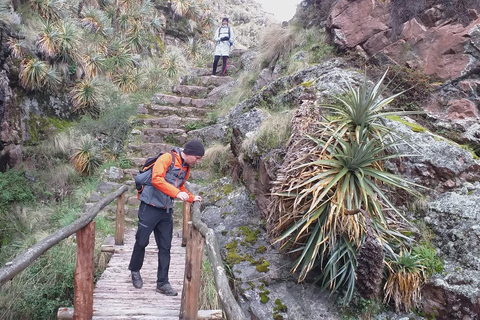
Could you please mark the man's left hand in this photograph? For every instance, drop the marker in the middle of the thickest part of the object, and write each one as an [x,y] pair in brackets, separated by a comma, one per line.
[197,198]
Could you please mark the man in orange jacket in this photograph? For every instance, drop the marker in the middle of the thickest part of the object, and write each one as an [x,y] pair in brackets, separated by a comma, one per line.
[156,210]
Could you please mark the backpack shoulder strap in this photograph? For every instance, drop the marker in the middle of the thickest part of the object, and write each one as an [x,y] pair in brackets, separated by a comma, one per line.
[173,162]
[229,31]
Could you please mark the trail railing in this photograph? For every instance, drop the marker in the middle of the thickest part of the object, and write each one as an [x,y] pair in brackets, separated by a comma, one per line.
[84,227]
[195,235]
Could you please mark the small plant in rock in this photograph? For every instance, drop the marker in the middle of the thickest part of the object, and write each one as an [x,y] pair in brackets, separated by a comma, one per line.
[406,275]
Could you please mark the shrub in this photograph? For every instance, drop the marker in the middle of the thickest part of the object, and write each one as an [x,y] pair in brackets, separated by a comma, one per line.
[341,170]
[86,156]
[14,188]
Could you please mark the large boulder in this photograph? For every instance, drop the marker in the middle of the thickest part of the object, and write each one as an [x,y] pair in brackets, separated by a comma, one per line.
[421,35]
[265,288]
[452,175]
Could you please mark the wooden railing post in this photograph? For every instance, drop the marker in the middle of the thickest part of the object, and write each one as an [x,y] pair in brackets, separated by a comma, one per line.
[120,223]
[186,218]
[193,273]
[83,281]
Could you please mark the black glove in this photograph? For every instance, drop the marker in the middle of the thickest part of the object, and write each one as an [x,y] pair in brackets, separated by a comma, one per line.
[224,38]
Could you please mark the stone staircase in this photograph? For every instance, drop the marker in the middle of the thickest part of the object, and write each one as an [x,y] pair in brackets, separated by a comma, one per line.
[168,120]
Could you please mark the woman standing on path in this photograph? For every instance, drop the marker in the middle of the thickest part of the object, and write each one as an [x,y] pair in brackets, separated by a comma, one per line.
[223,38]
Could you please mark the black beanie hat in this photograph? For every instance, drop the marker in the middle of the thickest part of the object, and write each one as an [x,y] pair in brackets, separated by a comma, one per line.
[194,148]
[225,19]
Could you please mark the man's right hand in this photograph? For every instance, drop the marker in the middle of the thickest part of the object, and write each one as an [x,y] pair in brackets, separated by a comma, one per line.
[182,196]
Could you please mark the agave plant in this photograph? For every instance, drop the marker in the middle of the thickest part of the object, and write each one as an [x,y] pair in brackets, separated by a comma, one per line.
[406,275]
[48,9]
[34,73]
[68,41]
[85,96]
[19,47]
[86,157]
[341,171]
[95,20]
[170,65]
[92,63]
[47,41]
[364,106]
[180,7]
[127,81]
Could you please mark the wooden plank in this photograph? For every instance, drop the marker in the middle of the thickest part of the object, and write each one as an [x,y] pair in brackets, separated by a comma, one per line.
[209,315]
[186,219]
[193,273]
[116,298]
[83,279]
[120,222]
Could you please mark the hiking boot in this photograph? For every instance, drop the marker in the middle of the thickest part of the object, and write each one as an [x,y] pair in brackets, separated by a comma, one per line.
[167,290]
[137,279]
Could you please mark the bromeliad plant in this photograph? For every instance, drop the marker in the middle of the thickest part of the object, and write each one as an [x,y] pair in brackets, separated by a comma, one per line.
[342,171]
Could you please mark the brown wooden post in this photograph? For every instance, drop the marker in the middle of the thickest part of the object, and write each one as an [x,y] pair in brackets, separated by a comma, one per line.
[120,224]
[186,218]
[83,279]
[193,273]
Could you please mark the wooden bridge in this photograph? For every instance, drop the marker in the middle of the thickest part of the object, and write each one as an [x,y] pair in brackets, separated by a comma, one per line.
[114,296]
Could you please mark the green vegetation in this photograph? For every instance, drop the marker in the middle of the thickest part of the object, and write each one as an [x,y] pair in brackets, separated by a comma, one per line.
[343,172]
[264,298]
[415,127]
[208,299]
[279,308]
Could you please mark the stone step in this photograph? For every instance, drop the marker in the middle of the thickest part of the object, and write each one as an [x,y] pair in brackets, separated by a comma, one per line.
[231,69]
[162,110]
[173,121]
[190,91]
[207,81]
[146,150]
[159,135]
[167,99]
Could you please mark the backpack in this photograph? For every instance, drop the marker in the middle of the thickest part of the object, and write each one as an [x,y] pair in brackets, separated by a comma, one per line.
[147,166]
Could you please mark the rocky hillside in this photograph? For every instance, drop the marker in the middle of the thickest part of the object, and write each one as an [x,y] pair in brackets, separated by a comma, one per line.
[439,38]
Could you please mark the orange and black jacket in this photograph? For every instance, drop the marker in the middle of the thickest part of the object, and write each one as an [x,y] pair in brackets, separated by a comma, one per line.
[166,181]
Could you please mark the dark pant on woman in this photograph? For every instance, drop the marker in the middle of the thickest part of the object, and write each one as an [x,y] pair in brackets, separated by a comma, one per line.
[224,64]
[161,223]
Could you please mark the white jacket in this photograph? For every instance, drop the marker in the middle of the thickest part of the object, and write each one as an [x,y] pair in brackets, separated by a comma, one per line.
[223,47]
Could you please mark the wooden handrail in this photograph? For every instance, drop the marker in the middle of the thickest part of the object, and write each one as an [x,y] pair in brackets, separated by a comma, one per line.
[230,305]
[12,268]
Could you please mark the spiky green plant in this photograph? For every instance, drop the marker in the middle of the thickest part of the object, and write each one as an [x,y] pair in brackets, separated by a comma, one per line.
[127,81]
[85,95]
[170,65]
[180,7]
[20,48]
[49,9]
[35,74]
[86,157]
[95,21]
[406,276]
[68,41]
[342,170]
[364,106]
[47,41]
[92,64]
